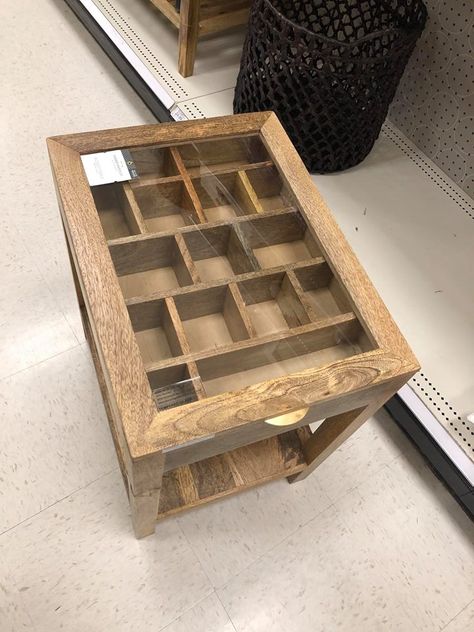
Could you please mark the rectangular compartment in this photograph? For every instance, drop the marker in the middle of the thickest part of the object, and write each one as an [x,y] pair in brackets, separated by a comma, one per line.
[165,206]
[310,348]
[150,265]
[272,193]
[226,196]
[211,156]
[279,240]
[154,161]
[220,252]
[114,209]
[155,332]
[322,291]
[173,386]
[272,303]
[211,318]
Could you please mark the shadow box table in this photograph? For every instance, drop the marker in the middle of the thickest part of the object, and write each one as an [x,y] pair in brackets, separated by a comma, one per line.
[223,306]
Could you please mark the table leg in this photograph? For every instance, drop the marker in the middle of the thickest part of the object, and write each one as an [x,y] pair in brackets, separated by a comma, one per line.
[188,35]
[332,433]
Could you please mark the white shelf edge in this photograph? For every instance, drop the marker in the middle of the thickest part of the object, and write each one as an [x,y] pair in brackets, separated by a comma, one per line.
[442,437]
[133,59]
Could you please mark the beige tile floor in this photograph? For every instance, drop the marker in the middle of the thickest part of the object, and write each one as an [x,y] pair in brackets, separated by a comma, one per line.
[371,542]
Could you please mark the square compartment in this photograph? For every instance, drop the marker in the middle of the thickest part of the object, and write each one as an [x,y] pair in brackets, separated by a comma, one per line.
[150,265]
[154,161]
[322,291]
[225,196]
[272,193]
[172,386]
[280,240]
[212,156]
[220,252]
[114,211]
[272,304]
[154,331]
[165,206]
[211,318]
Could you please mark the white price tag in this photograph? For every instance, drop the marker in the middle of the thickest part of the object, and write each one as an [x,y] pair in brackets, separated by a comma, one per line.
[178,114]
[109,166]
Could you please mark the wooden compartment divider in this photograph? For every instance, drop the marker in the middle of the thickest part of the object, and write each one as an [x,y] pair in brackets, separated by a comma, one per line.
[194,200]
[224,309]
[240,305]
[248,192]
[187,259]
[132,210]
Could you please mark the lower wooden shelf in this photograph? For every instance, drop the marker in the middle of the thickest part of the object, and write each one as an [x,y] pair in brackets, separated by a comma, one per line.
[232,472]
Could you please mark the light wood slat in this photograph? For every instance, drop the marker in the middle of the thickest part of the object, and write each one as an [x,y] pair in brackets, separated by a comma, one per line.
[299,292]
[225,21]
[187,260]
[196,378]
[240,305]
[177,327]
[193,196]
[214,169]
[189,11]
[148,180]
[247,193]
[131,209]
[291,305]
[168,10]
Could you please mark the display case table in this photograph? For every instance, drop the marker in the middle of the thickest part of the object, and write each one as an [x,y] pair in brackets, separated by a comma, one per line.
[224,309]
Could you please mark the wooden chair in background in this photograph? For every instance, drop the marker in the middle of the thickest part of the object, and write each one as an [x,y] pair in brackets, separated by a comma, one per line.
[195,18]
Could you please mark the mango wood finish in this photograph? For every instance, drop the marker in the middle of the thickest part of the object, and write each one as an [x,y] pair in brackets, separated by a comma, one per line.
[220,301]
[196,18]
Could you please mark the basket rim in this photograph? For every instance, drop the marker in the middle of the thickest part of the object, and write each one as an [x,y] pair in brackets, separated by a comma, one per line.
[411,30]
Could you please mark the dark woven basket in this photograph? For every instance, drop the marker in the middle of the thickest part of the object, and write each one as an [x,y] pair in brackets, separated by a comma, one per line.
[329,69]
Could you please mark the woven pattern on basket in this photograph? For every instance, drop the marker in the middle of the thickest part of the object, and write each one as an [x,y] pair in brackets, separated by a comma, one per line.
[329,69]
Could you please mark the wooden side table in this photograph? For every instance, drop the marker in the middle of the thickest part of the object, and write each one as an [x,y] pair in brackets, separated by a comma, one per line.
[223,306]
[195,18]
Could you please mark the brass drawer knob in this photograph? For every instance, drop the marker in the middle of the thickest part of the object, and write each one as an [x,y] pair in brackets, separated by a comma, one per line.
[288,419]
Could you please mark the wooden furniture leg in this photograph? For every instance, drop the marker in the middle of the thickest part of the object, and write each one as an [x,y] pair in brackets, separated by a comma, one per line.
[144,487]
[332,433]
[189,14]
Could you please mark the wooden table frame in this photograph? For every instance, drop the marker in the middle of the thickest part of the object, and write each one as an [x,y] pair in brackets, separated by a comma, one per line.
[192,23]
[345,393]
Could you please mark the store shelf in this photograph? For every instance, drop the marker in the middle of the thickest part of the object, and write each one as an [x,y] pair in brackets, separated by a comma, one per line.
[411,227]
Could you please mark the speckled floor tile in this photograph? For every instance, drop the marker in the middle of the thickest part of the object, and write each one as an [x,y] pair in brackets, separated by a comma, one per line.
[380,559]
[78,566]
[13,616]
[374,445]
[231,534]
[462,622]
[206,616]
[54,434]
[33,328]
[67,89]
[434,574]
